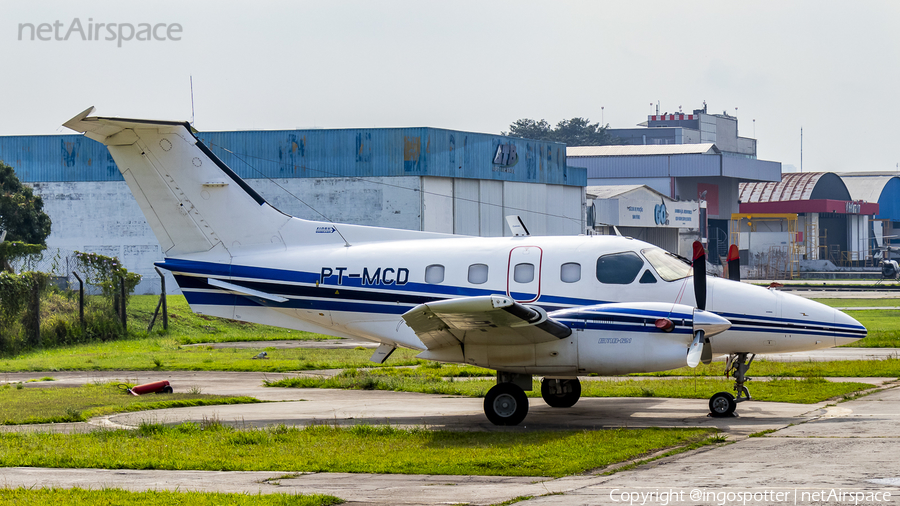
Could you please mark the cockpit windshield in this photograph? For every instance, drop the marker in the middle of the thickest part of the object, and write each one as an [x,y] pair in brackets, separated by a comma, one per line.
[668,266]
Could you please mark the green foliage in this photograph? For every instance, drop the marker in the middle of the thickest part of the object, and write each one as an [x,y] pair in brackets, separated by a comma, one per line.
[18,294]
[572,132]
[22,216]
[105,273]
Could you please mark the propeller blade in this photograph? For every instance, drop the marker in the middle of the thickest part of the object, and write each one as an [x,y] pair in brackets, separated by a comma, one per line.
[699,265]
[734,263]
[695,352]
[706,357]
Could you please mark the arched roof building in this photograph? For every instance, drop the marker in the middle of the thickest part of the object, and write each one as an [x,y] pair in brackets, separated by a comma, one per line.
[833,223]
[883,188]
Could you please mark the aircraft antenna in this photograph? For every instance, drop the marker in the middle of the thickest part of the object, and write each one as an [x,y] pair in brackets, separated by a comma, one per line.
[192,100]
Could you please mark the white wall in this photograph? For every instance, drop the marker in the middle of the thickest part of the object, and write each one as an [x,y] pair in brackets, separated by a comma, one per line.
[103,217]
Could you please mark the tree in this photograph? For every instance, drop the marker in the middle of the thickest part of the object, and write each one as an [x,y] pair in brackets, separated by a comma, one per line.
[23,218]
[530,129]
[572,132]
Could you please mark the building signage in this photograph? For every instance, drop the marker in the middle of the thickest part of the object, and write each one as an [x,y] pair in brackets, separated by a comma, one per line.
[506,155]
[853,207]
[660,215]
[671,214]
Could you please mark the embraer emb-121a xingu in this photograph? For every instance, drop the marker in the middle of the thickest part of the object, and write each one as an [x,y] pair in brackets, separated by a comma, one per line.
[556,307]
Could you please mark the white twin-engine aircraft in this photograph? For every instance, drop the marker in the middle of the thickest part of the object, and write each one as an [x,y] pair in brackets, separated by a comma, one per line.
[556,307]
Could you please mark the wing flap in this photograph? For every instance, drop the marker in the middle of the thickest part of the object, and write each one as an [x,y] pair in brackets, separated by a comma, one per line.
[491,319]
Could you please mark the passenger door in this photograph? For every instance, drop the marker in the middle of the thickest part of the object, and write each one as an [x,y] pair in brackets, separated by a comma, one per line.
[523,275]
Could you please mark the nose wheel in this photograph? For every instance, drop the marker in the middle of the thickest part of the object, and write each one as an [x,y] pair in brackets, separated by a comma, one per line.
[723,404]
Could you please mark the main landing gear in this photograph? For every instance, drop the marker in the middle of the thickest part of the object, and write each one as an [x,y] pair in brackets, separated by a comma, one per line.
[723,404]
[506,403]
[560,393]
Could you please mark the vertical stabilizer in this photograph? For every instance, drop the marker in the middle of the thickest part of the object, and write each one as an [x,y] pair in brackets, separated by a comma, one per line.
[193,202]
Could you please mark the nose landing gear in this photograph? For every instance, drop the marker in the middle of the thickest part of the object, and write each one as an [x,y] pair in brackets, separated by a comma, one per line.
[723,404]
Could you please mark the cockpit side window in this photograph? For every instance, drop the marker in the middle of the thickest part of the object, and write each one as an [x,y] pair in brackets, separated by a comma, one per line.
[648,277]
[668,266]
[619,268]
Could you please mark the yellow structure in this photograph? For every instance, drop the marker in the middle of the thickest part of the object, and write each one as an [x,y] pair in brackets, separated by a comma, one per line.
[780,262]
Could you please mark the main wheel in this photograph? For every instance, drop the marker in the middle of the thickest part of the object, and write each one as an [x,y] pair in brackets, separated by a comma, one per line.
[721,405]
[561,393]
[505,404]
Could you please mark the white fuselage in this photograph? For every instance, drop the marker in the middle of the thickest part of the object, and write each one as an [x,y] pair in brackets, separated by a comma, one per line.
[362,289]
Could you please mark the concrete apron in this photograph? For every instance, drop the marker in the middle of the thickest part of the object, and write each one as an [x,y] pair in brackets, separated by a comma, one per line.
[851,446]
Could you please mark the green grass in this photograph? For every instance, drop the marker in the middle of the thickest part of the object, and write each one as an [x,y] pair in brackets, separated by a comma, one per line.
[804,391]
[859,302]
[117,497]
[164,353]
[886,368]
[188,327]
[363,449]
[56,405]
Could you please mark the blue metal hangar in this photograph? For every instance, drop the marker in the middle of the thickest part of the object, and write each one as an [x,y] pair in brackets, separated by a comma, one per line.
[411,178]
[884,189]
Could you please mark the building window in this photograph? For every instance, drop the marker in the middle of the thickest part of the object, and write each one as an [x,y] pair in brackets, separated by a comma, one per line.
[478,274]
[434,274]
[619,268]
[523,273]
[570,272]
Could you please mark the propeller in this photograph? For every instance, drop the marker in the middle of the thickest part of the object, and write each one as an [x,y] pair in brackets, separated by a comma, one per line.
[695,352]
[706,324]
[734,263]
[699,265]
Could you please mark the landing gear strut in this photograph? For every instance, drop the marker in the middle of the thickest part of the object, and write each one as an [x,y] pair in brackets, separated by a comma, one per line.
[723,404]
[561,393]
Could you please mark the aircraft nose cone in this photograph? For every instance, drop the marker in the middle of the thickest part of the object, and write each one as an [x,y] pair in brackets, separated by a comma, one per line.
[847,329]
[710,323]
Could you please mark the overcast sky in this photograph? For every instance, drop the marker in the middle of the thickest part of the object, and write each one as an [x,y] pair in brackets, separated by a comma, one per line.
[832,68]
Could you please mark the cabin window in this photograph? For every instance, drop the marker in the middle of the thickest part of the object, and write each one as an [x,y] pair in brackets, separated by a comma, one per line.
[523,273]
[619,268]
[648,277]
[478,274]
[434,274]
[668,266]
[570,272]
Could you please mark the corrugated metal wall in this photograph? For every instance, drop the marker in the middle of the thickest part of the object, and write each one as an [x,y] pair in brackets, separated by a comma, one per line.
[374,152]
[665,238]
[42,158]
[655,166]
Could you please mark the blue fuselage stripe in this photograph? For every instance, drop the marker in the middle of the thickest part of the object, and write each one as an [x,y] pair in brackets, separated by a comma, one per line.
[306,290]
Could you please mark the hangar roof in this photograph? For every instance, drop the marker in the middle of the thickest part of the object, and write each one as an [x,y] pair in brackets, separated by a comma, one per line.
[664,149]
[867,186]
[796,186]
[881,187]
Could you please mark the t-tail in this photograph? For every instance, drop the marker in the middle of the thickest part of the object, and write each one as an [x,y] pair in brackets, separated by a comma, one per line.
[197,206]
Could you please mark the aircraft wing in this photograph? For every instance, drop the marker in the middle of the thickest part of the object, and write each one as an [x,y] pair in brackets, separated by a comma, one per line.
[489,319]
